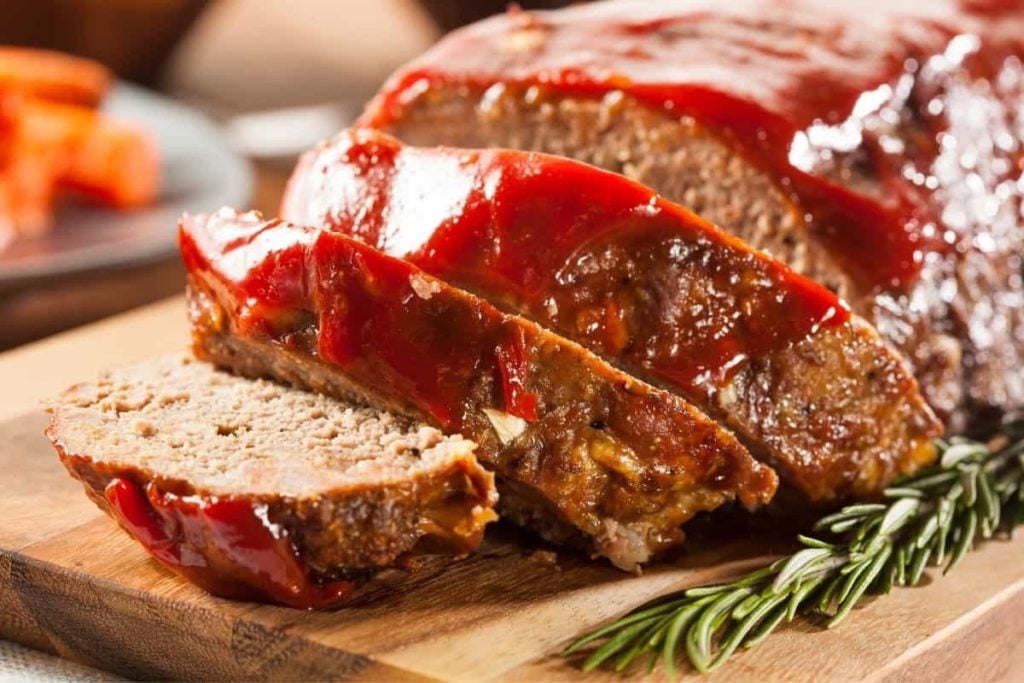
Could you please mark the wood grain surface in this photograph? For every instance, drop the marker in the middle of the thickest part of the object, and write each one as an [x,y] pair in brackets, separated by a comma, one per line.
[72,583]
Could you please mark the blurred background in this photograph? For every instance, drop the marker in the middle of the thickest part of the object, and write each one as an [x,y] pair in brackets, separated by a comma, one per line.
[271,77]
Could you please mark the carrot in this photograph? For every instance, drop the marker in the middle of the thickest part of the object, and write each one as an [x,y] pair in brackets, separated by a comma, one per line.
[52,138]
[26,196]
[107,161]
[116,164]
[33,154]
[53,76]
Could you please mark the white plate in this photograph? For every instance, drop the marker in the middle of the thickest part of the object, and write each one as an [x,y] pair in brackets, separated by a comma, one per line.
[199,173]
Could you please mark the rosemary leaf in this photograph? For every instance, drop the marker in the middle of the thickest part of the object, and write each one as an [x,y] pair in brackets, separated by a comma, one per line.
[737,636]
[863,580]
[917,565]
[797,566]
[616,643]
[766,628]
[965,538]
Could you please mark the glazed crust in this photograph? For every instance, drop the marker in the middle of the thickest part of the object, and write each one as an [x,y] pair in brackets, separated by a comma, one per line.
[808,387]
[622,462]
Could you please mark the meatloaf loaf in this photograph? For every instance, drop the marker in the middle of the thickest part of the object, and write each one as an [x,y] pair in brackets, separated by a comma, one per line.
[875,147]
[582,450]
[253,490]
[603,260]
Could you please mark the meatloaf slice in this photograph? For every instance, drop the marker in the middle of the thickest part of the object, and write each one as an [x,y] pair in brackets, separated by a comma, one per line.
[257,491]
[603,260]
[581,448]
[873,148]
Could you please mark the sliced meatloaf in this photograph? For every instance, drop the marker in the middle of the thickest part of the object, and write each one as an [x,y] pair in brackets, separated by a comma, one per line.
[873,147]
[603,260]
[257,491]
[582,450]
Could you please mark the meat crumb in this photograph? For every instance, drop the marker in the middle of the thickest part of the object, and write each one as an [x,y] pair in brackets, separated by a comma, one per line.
[423,287]
[546,558]
[144,428]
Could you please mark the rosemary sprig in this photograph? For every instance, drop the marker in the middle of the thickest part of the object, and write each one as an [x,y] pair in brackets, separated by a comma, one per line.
[932,518]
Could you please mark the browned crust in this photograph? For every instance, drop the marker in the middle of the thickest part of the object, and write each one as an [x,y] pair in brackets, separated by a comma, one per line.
[841,406]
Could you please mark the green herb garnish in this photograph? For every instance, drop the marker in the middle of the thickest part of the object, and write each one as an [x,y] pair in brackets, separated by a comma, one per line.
[932,518]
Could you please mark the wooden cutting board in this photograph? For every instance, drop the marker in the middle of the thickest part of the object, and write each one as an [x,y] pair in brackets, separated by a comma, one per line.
[72,583]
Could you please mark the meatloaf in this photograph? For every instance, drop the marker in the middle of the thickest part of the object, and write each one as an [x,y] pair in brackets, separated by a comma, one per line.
[583,450]
[257,491]
[875,147]
[600,259]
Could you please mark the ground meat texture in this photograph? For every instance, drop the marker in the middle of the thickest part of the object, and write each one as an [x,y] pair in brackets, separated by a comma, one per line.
[257,491]
[874,150]
[603,260]
[618,461]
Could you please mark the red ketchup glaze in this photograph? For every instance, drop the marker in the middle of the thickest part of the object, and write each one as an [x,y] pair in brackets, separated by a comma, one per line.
[511,226]
[361,330]
[765,74]
[513,366]
[223,545]
[353,289]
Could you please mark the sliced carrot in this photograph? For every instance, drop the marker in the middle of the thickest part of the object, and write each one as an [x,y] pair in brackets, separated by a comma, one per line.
[53,76]
[28,188]
[107,161]
[115,164]
[35,153]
